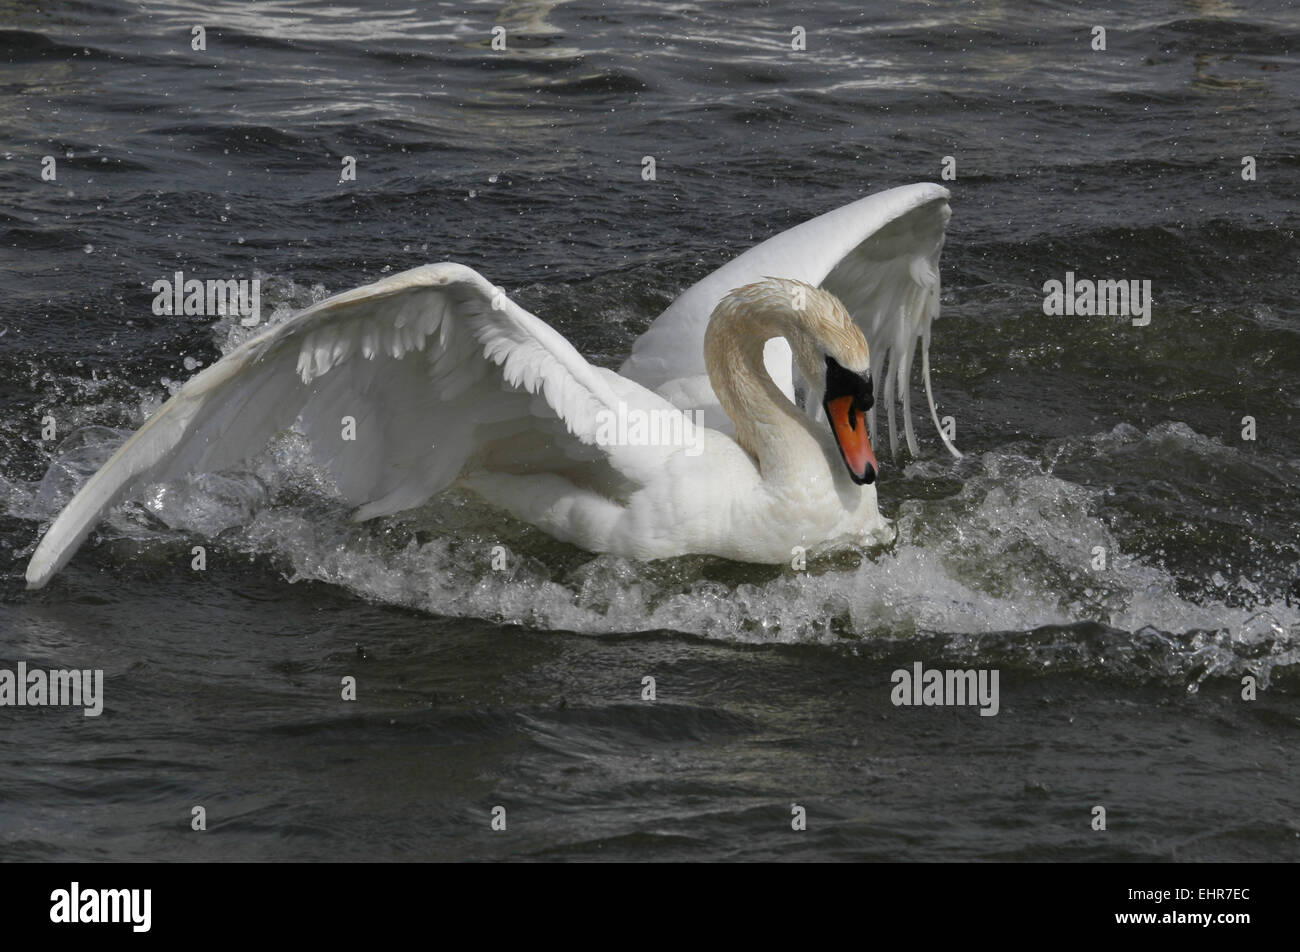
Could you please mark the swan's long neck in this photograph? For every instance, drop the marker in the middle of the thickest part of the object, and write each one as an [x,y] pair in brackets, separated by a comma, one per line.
[768,426]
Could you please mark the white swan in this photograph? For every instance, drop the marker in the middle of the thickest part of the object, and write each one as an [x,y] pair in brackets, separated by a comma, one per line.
[448,381]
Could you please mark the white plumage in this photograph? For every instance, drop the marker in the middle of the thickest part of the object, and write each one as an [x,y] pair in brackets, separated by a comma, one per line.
[449,381]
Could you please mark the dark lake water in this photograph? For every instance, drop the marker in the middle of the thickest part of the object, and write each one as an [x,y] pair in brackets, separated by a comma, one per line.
[1120,687]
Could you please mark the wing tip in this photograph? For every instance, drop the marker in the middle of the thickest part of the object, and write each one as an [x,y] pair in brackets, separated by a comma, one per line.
[38,574]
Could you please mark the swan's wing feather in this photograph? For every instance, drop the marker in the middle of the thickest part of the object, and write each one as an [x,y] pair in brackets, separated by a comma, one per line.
[879,255]
[417,362]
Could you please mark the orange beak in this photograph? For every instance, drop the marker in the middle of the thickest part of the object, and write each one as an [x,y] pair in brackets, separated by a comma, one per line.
[849,425]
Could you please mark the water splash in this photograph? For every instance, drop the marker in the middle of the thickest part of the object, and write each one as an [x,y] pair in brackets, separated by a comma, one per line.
[1004,564]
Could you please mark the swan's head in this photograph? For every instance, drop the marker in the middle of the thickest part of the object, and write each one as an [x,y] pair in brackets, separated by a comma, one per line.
[832,355]
[835,360]
[828,348]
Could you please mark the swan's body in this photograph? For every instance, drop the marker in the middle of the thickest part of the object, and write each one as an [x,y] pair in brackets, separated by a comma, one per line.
[446,381]
[778,483]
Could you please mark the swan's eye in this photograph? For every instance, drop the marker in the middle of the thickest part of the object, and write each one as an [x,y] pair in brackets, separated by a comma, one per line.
[846,383]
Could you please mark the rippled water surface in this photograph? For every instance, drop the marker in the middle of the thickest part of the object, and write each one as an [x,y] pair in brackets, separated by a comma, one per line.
[1120,686]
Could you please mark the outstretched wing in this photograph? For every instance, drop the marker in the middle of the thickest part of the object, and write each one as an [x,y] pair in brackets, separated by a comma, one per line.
[397,384]
[878,255]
